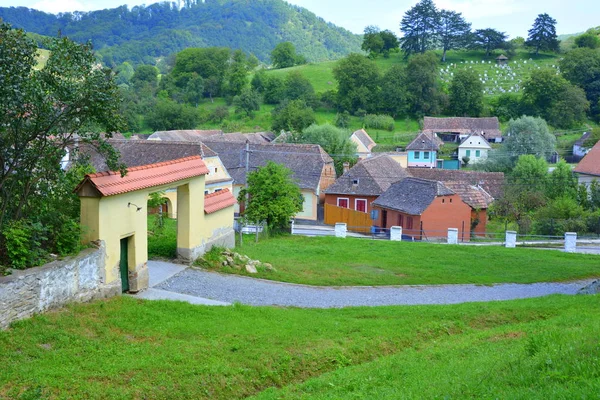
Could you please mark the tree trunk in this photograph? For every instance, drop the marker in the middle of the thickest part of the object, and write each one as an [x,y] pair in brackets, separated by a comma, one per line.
[444,56]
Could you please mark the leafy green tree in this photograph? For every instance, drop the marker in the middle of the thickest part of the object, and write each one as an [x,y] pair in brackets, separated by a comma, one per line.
[42,113]
[247,102]
[211,63]
[358,83]
[571,108]
[168,115]
[145,75]
[588,40]
[582,67]
[298,87]
[529,136]
[394,97]
[420,26]
[466,94]
[194,89]
[333,140]
[561,182]
[542,35]
[124,73]
[390,42]
[422,85]
[273,196]
[284,56]
[488,39]
[372,41]
[507,106]
[292,116]
[237,74]
[453,31]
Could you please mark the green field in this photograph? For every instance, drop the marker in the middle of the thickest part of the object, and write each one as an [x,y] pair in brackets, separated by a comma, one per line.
[131,349]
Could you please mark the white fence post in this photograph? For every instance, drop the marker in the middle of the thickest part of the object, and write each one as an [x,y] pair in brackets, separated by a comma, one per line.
[570,242]
[396,233]
[452,236]
[293,222]
[340,230]
[511,239]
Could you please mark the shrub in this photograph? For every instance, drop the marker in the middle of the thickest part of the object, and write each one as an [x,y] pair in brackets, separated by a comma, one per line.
[23,240]
[376,121]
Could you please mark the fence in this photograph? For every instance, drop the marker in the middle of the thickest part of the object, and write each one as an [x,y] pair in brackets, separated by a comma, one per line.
[358,221]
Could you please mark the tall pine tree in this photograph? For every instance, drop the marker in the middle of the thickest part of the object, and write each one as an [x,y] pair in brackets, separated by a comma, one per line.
[453,31]
[542,35]
[420,27]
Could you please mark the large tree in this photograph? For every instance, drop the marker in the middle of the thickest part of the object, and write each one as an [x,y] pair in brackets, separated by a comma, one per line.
[358,83]
[466,94]
[292,116]
[272,195]
[420,26]
[210,63]
[422,85]
[284,56]
[43,112]
[393,91]
[542,35]
[454,31]
[488,39]
[529,135]
[582,67]
[372,41]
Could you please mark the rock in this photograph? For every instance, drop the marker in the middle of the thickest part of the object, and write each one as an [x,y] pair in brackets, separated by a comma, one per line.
[224,263]
[250,268]
[229,260]
[268,267]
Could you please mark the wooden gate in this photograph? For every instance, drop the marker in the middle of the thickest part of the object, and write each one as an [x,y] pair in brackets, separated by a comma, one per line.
[355,220]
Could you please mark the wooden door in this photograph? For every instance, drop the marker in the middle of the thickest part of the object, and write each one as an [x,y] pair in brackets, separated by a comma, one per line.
[124,266]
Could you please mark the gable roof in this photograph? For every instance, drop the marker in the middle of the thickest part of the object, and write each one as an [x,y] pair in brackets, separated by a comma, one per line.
[362,136]
[218,200]
[306,161]
[464,143]
[491,182]
[412,195]
[192,135]
[476,197]
[427,141]
[590,164]
[582,139]
[146,176]
[135,153]
[374,175]
[488,127]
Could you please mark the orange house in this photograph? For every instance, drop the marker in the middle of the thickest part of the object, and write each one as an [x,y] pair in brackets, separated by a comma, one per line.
[424,209]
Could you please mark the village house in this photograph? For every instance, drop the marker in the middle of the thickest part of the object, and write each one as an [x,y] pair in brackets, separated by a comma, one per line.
[364,143]
[588,169]
[455,128]
[423,208]
[423,150]
[194,135]
[473,148]
[579,147]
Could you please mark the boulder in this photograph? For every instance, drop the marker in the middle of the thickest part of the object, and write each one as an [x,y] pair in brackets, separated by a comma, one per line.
[251,269]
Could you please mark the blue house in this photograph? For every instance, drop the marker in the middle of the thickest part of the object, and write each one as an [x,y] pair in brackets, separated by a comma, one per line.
[422,151]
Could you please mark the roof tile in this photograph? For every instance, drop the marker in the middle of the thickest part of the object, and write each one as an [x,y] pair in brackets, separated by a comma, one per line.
[590,164]
[218,200]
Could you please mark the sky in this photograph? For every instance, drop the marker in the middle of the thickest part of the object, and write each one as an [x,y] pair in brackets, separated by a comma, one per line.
[511,16]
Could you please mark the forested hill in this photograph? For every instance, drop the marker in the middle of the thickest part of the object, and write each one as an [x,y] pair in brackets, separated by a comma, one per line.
[144,33]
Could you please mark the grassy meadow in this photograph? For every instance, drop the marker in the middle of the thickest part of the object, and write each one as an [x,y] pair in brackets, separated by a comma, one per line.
[134,349]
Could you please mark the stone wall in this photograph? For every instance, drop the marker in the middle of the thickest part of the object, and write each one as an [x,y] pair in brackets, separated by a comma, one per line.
[35,290]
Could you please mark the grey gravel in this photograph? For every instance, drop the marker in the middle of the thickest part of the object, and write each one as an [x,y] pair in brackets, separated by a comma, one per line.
[258,292]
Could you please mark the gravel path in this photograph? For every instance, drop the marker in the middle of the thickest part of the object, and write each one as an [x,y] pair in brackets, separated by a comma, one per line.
[231,288]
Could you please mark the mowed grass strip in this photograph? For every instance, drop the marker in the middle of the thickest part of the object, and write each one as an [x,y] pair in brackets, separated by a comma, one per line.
[329,261]
[128,348]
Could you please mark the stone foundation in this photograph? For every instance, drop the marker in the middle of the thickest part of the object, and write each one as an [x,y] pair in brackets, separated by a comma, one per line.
[35,290]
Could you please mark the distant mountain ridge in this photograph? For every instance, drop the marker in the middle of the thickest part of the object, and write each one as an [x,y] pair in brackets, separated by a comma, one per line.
[143,33]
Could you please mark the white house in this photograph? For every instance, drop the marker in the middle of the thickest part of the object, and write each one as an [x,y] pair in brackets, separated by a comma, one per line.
[475,147]
[364,143]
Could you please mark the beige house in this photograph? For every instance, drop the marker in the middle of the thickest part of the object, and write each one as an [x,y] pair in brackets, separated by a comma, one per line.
[364,143]
[475,147]
[588,169]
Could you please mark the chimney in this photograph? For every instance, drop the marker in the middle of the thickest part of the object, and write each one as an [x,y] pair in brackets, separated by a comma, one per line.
[346,167]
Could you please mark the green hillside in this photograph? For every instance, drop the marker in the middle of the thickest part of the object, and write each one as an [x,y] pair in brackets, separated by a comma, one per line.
[144,33]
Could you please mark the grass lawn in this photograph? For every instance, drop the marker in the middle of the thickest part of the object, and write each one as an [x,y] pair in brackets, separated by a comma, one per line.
[125,348]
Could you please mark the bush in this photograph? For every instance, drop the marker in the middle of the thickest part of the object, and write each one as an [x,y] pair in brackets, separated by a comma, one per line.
[219,114]
[384,122]
[23,240]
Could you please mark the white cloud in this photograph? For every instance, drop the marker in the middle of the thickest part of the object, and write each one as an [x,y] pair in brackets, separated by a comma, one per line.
[473,9]
[56,6]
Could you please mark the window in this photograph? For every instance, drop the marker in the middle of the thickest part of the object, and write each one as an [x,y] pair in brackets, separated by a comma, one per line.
[355,181]
[409,222]
[360,205]
[342,202]
[450,200]
[216,170]
[426,155]
[468,153]
[443,200]
[417,155]
[477,153]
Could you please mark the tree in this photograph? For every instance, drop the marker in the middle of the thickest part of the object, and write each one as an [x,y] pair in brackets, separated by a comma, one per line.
[210,63]
[247,102]
[273,196]
[372,41]
[420,26]
[42,113]
[145,75]
[298,87]
[292,115]
[561,182]
[582,67]
[529,135]
[284,56]
[466,94]
[169,115]
[453,31]
[422,85]
[542,35]
[333,140]
[488,39]
[571,108]
[390,42]
[237,74]
[588,40]
[358,80]
[393,92]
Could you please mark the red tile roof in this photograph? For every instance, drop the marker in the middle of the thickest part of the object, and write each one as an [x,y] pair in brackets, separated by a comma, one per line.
[590,165]
[146,176]
[218,200]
